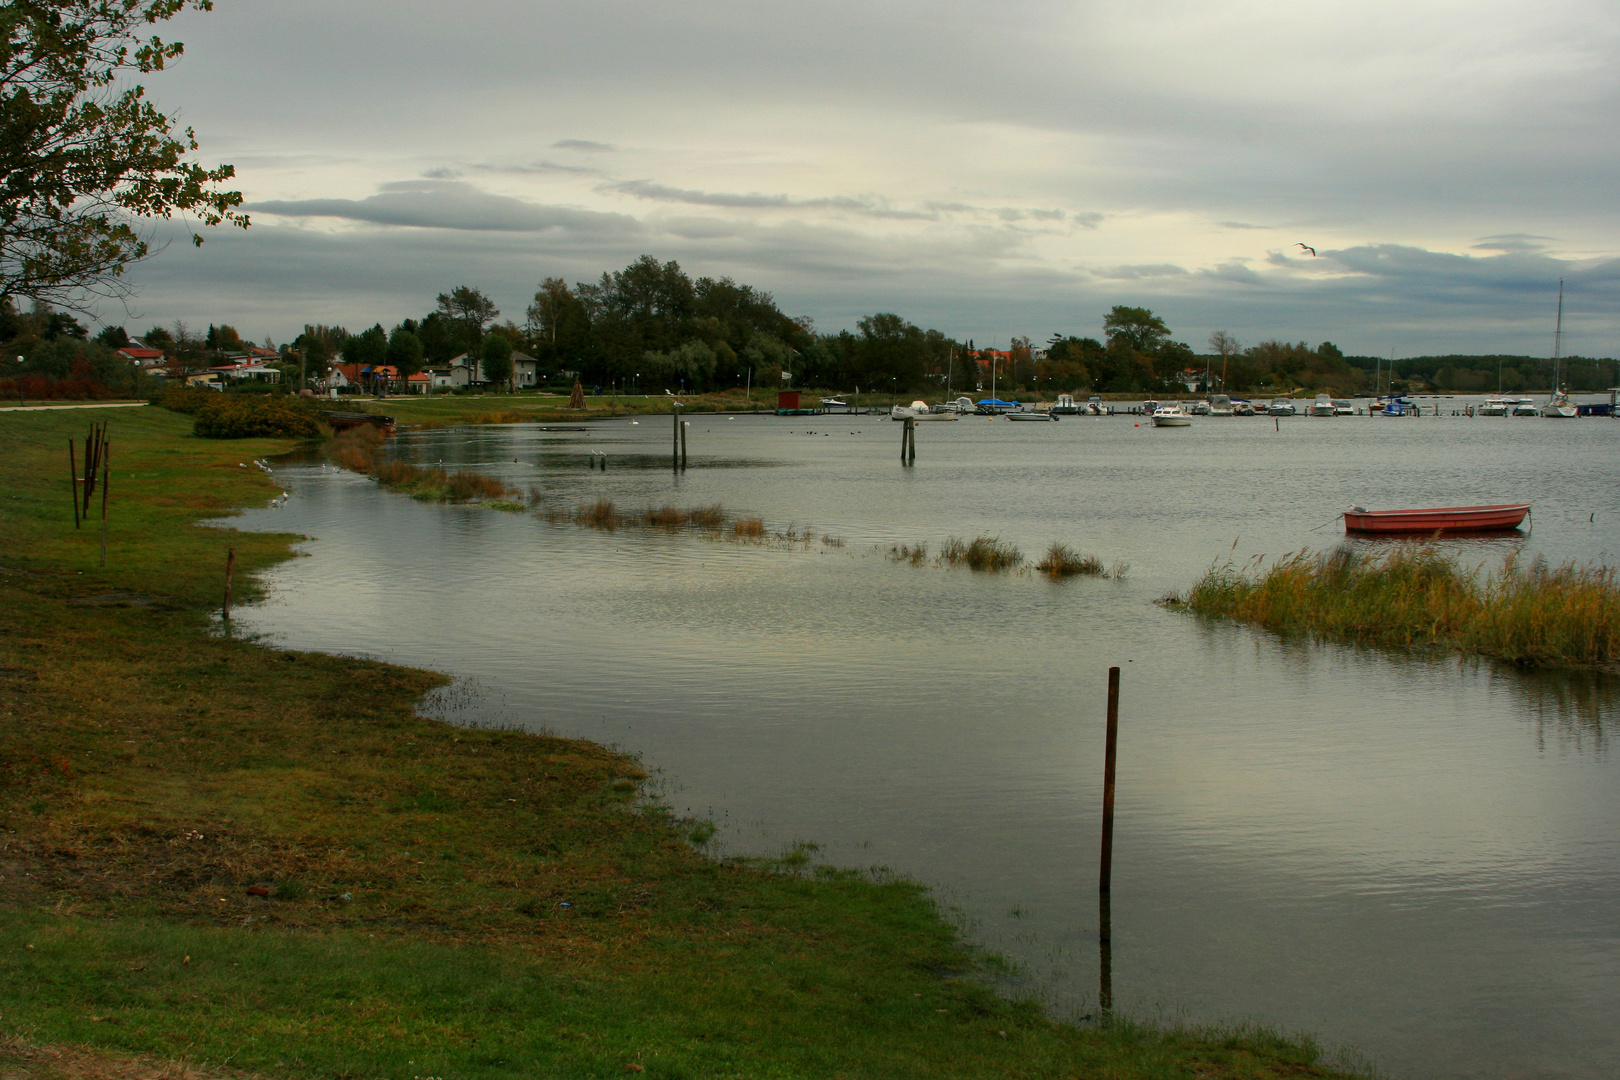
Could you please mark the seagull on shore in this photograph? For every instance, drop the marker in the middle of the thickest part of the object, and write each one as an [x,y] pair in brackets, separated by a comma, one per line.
[1308,248]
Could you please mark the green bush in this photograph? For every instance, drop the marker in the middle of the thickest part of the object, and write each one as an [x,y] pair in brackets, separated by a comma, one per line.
[228,416]
[184,399]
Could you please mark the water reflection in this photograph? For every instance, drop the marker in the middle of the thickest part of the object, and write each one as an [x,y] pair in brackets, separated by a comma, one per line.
[1416,855]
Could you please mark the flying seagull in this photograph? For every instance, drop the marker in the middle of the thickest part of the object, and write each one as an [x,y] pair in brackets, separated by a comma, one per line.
[1308,248]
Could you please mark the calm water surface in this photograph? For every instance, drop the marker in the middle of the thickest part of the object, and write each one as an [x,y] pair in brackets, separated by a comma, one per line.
[1416,858]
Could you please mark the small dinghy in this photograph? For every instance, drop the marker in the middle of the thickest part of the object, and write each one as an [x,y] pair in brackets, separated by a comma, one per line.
[1436,519]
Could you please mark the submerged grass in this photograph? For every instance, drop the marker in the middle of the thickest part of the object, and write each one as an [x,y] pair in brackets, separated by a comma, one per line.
[1063,561]
[359,450]
[217,852]
[981,553]
[1528,613]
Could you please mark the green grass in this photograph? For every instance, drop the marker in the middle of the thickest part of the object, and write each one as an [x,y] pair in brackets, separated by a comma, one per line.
[227,854]
[1528,613]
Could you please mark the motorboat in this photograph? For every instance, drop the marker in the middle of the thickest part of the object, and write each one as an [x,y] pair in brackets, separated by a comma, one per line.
[1494,406]
[1095,406]
[1322,406]
[1524,407]
[1436,519]
[1221,405]
[1281,407]
[991,406]
[921,411]
[1343,407]
[1030,415]
[1066,406]
[834,403]
[1150,406]
[1243,408]
[1201,408]
[1171,415]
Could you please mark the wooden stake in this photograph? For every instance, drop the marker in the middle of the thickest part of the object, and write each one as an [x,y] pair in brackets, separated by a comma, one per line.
[73,474]
[230,573]
[1105,952]
[1105,881]
[684,426]
[106,474]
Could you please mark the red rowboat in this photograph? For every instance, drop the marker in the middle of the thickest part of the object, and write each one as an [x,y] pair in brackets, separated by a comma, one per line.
[1436,519]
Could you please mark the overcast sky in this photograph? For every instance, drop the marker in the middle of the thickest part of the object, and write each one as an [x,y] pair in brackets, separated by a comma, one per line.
[988,169]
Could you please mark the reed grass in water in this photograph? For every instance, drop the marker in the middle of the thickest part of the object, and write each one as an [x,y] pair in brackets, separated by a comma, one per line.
[1063,561]
[1528,613]
[981,553]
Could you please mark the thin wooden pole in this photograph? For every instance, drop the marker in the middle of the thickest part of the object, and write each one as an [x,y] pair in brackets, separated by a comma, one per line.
[1105,881]
[106,474]
[912,424]
[73,474]
[1105,952]
[684,426]
[675,440]
[230,573]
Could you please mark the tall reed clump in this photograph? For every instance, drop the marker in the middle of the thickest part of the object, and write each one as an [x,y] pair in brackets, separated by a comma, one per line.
[1528,613]
[1063,561]
[749,528]
[981,553]
[915,554]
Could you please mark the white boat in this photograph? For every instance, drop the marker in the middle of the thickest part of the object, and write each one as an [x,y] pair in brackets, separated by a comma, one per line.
[1201,408]
[1171,415]
[1523,407]
[1150,406]
[1342,407]
[1243,408]
[1220,405]
[834,403]
[1322,406]
[923,412]
[1030,415]
[1494,406]
[1280,407]
[1066,406]
[1559,406]
[903,412]
[1095,406]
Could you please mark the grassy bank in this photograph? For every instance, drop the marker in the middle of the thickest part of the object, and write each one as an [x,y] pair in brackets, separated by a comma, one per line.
[235,856]
[1527,613]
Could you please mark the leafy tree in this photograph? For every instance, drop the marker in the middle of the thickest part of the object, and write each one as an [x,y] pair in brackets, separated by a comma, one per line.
[223,338]
[1136,328]
[405,351]
[468,311]
[890,352]
[497,357]
[113,337]
[159,338]
[559,326]
[368,349]
[83,152]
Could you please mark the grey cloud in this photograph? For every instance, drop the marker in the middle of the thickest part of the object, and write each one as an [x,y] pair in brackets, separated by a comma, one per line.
[452,204]
[538,168]
[1512,242]
[585,146]
[1240,225]
[1140,271]
[647,189]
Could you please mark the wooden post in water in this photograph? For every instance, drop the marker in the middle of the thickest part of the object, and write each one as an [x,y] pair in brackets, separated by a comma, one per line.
[106,474]
[73,474]
[1105,880]
[912,424]
[675,438]
[1105,952]
[684,426]
[230,573]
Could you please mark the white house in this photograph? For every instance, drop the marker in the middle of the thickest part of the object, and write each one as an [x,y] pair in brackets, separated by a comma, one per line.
[525,371]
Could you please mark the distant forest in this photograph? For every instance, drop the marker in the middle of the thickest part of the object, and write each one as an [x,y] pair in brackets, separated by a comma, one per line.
[652,327]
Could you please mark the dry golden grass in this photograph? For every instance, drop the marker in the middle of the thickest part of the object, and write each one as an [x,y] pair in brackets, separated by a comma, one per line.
[1528,613]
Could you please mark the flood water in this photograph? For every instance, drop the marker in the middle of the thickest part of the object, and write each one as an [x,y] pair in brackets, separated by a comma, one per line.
[1416,858]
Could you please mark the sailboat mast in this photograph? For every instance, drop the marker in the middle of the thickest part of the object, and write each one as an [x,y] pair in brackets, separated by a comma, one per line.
[1558,336]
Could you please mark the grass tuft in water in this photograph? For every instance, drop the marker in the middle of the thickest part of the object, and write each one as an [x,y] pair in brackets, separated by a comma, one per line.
[981,553]
[358,450]
[1528,613]
[749,528]
[1063,561]
[915,554]
[601,514]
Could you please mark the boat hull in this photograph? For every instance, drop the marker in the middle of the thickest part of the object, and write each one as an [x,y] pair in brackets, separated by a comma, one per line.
[1437,519]
[1030,416]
